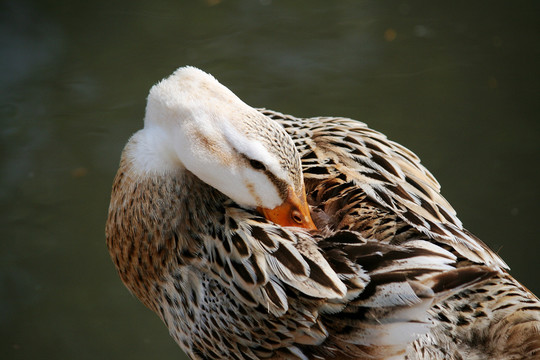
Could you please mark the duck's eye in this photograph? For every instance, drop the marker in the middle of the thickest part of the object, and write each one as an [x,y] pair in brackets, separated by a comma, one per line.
[257,165]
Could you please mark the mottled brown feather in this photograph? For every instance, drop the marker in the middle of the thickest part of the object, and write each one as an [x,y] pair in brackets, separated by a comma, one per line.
[390,272]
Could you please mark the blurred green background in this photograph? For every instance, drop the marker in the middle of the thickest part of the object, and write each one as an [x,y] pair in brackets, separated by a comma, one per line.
[457,82]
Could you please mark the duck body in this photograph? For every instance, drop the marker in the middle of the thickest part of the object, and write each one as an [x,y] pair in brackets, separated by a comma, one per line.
[389,271]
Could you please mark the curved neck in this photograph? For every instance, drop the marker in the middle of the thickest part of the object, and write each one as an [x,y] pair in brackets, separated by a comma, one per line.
[155,223]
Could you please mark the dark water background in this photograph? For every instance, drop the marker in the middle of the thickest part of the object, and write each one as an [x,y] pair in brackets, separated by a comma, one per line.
[457,82]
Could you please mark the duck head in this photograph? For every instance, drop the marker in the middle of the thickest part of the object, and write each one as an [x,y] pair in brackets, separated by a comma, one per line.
[194,122]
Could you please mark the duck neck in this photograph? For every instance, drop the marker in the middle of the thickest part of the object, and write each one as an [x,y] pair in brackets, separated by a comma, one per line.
[157,222]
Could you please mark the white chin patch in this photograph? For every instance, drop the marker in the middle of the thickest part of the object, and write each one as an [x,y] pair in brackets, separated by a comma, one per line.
[261,189]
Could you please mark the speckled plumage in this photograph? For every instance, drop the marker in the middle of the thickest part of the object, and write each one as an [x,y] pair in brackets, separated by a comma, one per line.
[390,272]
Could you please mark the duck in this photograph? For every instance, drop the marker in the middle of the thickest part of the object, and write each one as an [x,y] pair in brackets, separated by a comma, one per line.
[254,234]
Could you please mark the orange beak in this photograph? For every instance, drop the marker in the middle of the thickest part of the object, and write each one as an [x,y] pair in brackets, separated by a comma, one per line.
[293,212]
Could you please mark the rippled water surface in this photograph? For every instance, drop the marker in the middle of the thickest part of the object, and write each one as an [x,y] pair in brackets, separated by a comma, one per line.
[458,83]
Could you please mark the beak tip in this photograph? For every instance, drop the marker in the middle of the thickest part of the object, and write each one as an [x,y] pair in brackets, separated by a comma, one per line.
[294,212]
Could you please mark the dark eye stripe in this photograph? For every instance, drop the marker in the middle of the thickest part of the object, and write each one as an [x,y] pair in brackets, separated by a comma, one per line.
[257,165]
[280,185]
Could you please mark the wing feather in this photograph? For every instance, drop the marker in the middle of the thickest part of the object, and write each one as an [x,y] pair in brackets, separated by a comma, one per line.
[388,173]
